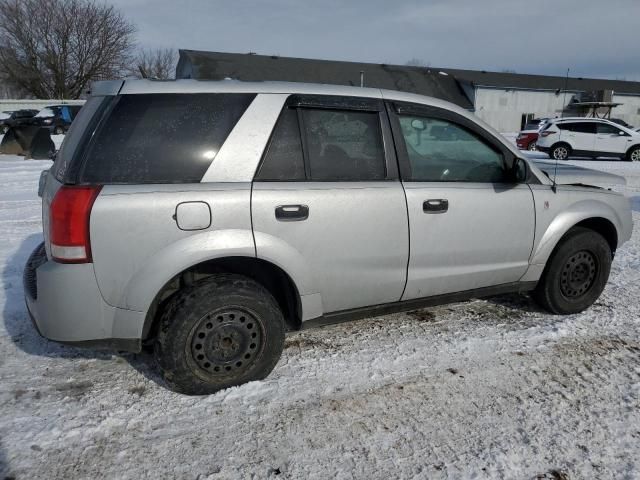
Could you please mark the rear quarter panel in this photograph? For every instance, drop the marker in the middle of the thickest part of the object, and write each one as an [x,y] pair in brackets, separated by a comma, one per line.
[137,246]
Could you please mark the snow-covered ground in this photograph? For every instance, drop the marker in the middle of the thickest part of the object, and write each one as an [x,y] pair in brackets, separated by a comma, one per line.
[486,389]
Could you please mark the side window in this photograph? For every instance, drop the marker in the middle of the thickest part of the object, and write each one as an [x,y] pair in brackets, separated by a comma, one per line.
[162,138]
[343,145]
[442,151]
[606,129]
[584,127]
[283,160]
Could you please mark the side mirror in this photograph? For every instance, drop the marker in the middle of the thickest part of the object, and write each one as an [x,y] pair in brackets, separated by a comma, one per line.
[418,125]
[519,170]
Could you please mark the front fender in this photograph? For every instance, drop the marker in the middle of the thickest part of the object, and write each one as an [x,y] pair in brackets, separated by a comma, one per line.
[569,217]
[145,284]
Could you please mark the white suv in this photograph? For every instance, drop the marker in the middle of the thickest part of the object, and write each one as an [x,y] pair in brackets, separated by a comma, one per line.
[589,137]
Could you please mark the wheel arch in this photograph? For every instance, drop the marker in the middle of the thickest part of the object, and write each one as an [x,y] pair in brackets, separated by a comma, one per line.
[560,142]
[636,145]
[278,282]
[594,215]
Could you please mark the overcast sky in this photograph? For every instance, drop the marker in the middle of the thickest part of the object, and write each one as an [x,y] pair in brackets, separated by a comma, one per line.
[596,38]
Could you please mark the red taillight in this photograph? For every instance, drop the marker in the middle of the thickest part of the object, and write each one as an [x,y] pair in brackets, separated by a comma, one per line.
[546,133]
[69,224]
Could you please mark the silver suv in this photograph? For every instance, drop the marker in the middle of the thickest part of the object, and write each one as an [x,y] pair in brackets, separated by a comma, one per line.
[205,219]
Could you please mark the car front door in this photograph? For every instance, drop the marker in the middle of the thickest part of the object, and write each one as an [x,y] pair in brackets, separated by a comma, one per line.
[611,140]
[470,225]
[328,190]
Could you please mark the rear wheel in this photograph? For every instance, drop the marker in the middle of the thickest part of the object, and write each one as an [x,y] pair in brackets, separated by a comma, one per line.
[634,154]
[576,273]
[560,151]
[225,331]
[532,146]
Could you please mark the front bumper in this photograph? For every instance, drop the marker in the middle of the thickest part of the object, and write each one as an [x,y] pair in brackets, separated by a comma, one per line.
[66,306]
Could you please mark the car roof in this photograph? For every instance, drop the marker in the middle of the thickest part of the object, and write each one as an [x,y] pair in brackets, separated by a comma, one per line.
[592,120]
[129,87]
[135,86]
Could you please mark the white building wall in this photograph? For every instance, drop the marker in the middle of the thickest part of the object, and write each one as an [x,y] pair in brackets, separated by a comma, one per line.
[503,109]
[629,111]
[8,105]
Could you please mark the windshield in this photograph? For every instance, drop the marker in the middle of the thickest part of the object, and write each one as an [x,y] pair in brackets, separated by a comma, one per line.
[45,113]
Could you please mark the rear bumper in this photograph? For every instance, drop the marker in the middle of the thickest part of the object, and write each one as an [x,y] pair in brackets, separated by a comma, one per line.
[66,306]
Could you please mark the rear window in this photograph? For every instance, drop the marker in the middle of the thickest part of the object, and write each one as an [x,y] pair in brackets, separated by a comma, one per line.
[68,154]
[162,138]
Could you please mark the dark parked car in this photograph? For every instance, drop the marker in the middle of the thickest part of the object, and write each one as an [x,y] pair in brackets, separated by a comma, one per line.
[14,118]
[57,118]
[619,121]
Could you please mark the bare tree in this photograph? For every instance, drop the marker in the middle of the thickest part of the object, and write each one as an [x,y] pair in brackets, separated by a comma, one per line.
[157,63]
[54,48]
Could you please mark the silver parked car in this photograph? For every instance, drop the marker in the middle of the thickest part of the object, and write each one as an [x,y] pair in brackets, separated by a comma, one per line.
[205,219]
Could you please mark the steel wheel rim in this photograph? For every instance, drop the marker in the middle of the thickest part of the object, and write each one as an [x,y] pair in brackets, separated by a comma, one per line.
[533,146]
[225,342]
[560,153]
[578,274]
[635,155]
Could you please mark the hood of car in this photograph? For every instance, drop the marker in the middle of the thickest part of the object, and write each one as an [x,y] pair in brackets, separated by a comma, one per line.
[568,174]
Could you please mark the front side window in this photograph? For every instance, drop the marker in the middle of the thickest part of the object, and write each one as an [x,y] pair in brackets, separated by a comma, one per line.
[442,151]
[606,129]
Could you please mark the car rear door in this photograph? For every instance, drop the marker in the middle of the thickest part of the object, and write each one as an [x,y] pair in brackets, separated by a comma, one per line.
[328,191]
[580,135]
[470,225]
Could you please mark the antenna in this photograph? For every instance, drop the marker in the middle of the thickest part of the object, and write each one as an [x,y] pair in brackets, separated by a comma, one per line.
[564,101]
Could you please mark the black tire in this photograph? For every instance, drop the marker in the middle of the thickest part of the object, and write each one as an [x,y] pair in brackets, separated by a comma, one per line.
[222,332]
[58,131]
[5,129]
[560,151]
[576,273]
[633,155]
[532,147]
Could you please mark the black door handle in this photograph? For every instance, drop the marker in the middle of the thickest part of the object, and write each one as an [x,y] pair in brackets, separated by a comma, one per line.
[435,205]
[292,213]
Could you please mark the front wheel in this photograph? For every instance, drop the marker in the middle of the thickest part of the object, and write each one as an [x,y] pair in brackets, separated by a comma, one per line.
[634,154]
[576,273]
[225,331]
[532,147]
[58,131]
